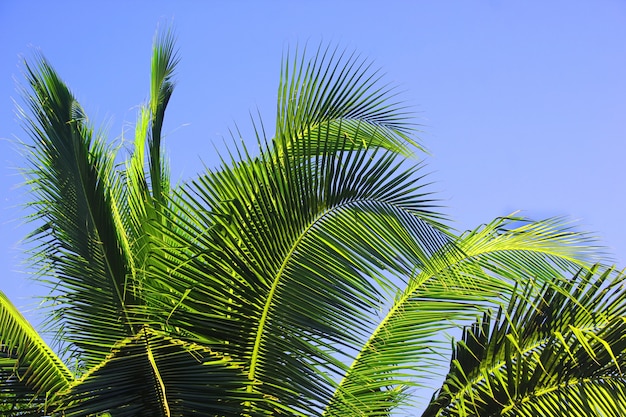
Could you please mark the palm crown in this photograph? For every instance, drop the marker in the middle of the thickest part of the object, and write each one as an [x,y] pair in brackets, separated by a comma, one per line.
[312,275]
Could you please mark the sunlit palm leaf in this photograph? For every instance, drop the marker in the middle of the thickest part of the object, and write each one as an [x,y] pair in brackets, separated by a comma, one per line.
[31,374]
[144,196]
[164,61]
[562,352]
[337,94]
[289,247]
[448,290]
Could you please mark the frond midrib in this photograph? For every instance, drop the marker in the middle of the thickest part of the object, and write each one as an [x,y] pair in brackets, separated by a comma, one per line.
[287,258]
[409,292]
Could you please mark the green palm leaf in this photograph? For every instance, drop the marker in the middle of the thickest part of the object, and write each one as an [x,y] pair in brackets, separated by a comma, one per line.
[561,351]
[337,94]
[81,244]
[96,234]
[31,374]
[164,61]
[143,195]
[272,268]
[151,374]
[484,267]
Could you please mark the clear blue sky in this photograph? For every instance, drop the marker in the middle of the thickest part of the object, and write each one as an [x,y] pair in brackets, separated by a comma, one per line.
[523,106]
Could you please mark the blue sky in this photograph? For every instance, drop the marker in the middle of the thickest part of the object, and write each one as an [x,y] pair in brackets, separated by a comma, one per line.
[522,104]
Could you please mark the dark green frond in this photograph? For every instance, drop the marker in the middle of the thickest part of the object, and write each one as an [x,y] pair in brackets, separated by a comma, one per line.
[153,375]
[81,247]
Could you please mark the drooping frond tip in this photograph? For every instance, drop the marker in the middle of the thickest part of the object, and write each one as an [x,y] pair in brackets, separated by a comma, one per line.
[340,93]
[164,61]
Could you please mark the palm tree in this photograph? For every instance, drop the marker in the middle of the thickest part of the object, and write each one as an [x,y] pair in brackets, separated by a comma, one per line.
[311,275]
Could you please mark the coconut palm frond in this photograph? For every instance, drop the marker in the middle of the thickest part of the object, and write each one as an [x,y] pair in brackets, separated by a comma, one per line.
[561,350]
[164,61]
[339,94]
[279,250]
[480,270]
[31,374]
[80,243]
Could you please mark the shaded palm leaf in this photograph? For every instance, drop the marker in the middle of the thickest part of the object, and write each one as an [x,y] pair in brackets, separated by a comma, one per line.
[151,374]
[80,243]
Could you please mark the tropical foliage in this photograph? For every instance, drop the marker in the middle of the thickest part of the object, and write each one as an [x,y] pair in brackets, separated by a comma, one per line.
[312,274]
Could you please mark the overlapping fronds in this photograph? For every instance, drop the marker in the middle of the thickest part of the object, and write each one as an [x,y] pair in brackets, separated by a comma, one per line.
[313,276]
[146,190]
[177,379]
[482,268]
[561,352]
[279,250]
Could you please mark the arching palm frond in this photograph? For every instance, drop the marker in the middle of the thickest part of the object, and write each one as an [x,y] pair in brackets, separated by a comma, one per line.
[407,347]
[280,250]
[337,94]
[561,352]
